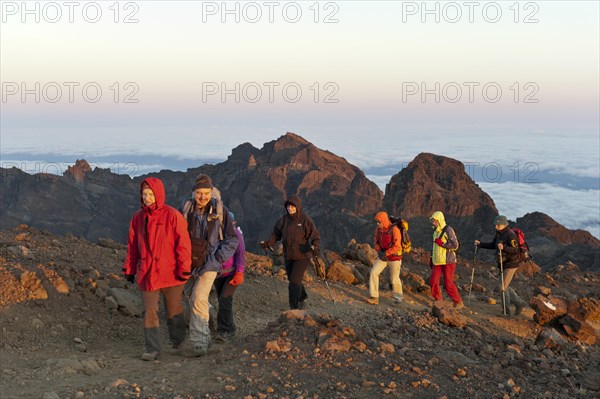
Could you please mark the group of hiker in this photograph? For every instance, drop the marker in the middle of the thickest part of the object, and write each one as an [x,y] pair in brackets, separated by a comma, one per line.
[183,253]
[388,244]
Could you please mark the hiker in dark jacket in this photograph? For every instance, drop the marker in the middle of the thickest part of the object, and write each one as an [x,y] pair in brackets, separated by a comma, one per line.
[300,239]
[210,225]
[506,243]
[159,257]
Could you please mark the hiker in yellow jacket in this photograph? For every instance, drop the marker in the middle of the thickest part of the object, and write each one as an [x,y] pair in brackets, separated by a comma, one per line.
[443,260]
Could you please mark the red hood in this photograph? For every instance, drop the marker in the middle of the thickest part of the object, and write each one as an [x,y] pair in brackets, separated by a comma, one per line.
[159,192]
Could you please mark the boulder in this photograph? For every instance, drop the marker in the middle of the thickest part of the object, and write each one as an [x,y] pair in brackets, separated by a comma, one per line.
[129,301]
[413,282]
[547,309]
[447,315]
[363,253]
[339,271]
[549,338]
[578,329]
[586,309]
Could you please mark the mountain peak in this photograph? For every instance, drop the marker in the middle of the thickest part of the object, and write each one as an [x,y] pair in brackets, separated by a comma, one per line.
[434,182]
[79,170]
[290,140]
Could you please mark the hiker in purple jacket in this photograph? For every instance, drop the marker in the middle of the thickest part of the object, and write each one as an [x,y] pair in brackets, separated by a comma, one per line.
[232,275]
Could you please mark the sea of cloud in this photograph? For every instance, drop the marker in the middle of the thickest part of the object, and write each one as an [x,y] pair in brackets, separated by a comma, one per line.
[528,163]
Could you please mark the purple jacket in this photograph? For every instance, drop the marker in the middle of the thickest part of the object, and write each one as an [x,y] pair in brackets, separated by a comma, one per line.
[237,261]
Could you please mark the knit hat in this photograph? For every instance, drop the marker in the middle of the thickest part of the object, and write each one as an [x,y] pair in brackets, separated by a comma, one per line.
[501,220]
[203,181]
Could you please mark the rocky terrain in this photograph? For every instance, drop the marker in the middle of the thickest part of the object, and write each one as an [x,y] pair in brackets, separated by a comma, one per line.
[254,183]
[71,328]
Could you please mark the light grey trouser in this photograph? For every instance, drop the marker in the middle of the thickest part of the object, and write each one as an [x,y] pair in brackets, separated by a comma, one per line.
[199,310]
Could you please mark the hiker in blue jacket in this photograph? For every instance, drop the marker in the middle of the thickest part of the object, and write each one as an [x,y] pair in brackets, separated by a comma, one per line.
[213,242]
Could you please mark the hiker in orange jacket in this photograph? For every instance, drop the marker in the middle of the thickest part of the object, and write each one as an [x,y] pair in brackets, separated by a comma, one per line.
[388,244]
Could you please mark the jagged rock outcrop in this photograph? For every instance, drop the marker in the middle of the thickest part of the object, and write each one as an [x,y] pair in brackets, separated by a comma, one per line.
[553,244]
[255,182]
[436,183]
[82,202]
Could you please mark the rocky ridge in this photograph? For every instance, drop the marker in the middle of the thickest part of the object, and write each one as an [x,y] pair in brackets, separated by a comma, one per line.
[254,182]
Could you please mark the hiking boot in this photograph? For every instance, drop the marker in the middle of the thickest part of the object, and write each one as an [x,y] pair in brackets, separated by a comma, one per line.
[199,351]
[459,305]
[519,309]
[224,338]
[398,299]
[150,356]
[373,301]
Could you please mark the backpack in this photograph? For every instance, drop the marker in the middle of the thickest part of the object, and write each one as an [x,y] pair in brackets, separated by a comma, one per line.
[523,246]
[403,226]
[457,240]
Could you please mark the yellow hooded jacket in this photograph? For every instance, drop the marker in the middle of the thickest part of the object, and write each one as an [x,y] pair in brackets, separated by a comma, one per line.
[443,255]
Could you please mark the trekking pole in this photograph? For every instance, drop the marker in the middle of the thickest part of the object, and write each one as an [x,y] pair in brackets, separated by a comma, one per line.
[317,267]
[502,281]
[472,273]
[272,267]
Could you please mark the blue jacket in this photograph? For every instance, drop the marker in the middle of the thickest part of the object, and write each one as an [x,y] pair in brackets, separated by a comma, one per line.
[199,227]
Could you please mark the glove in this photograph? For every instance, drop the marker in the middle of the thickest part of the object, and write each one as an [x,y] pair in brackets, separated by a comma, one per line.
[238,278]
[316,251]
[439,242]
[130,278]
[381,254]
[264,245]
[185,276]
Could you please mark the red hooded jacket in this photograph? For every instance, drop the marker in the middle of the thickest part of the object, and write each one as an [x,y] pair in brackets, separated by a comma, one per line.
[159,248]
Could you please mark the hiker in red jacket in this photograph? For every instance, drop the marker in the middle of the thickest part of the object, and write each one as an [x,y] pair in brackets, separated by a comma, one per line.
[159,257]
[506,243]
[388,244]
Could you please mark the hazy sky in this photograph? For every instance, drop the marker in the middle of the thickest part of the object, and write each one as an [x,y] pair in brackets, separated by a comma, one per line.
[376,82]
[375,63]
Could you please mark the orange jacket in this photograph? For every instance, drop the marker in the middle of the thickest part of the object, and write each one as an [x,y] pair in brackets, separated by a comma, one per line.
[391,243]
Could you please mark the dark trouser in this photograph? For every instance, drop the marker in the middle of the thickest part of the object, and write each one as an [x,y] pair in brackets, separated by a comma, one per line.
[175,319]
[225,291]
[295,270]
